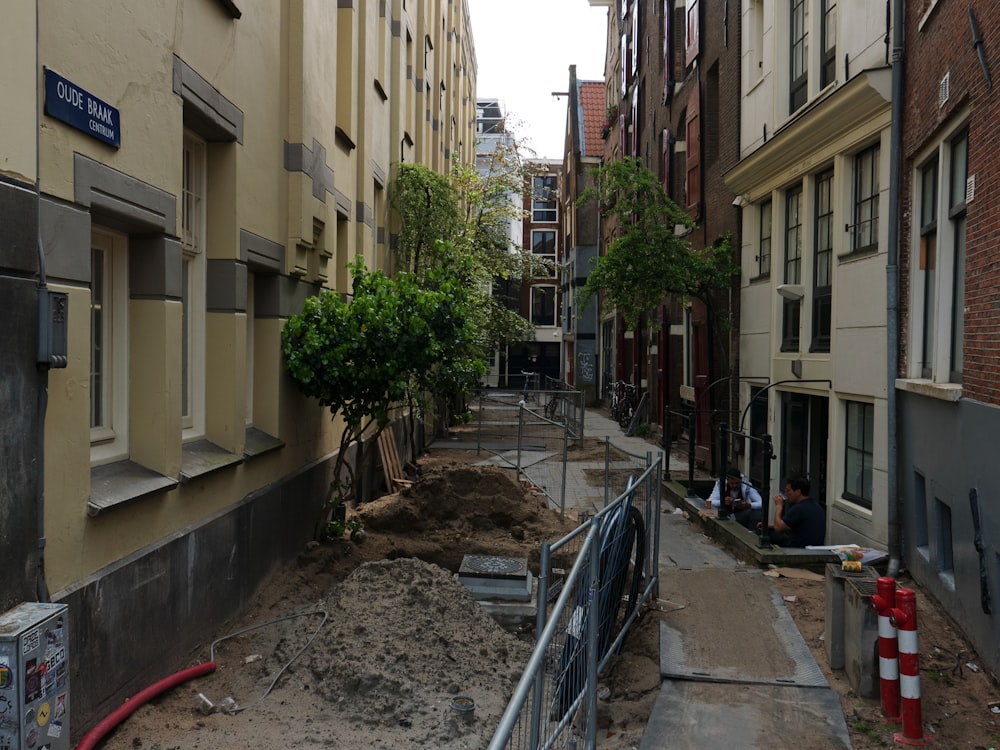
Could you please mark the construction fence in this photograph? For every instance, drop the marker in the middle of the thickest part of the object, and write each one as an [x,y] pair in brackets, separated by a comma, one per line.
[584,614]
[531,427]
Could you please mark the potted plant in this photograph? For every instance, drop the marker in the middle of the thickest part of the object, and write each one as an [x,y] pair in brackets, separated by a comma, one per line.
[334,529]
[357,530]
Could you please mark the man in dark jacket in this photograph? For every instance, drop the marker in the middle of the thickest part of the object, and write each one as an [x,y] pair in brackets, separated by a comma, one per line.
[799,521]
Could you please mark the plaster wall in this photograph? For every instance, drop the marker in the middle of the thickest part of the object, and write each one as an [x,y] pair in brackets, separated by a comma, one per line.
[936,477]
[17,81]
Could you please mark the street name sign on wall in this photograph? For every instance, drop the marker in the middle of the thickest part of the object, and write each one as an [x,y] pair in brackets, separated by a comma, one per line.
[78,108]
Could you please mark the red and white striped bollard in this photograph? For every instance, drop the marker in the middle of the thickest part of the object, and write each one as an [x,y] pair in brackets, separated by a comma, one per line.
[888,651]
[904,617]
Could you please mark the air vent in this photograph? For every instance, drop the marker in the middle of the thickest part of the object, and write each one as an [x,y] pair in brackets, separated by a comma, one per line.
[943,89]
[970,188]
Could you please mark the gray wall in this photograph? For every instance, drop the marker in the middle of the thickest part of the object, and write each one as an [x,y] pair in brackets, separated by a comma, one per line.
[139,620]
[946,449]
[20,387]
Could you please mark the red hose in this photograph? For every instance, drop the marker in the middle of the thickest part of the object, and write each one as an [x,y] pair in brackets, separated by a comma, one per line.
[138,700]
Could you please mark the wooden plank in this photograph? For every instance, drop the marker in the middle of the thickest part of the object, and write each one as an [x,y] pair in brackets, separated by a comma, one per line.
[391,467]
[383,454]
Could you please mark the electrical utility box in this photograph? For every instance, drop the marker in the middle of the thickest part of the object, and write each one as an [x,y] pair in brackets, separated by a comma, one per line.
[34,677]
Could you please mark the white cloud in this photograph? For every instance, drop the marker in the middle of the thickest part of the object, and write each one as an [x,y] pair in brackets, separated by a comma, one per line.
[524,49]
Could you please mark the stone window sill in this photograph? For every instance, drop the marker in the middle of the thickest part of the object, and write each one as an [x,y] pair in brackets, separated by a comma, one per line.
[258,443]
[941,391]
[113,485]
[202,457]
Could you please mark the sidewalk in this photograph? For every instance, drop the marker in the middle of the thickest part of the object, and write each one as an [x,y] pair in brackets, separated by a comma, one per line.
[747,681]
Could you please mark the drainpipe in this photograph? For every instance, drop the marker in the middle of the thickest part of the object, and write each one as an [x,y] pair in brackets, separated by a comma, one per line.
[41,588]
[892,287]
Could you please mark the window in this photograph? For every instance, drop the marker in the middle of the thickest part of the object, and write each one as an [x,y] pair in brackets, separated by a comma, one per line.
[928,263]
[755,55]
[666,145]
[958,170]
[828,43]
[543,305]
[866,193]
[791,307]
[108,346]
[798,67]
[543,246]
[668,51]
[692,185]
[764,246]
[251,315]
[193,287]
[939,283]
[860,430]
[691,31]
[823,263]
[543,207]
[945,559]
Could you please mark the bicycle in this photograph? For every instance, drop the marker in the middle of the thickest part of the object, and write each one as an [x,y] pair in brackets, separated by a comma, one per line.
[529,379]
[553,406]
[623,403]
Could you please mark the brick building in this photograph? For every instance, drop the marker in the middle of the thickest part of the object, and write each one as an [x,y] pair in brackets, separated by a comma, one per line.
[672,95]
[948,384]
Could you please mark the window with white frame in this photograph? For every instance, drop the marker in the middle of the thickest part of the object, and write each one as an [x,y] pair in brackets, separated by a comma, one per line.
[859,426]
[828,42]
[823,263]
[109,390]
[792,306]
[939,263]
[250,347]
[544,192]
[193,193]
[764,242]
[866,196]
[543,305]
[543,247]
[755,55]
[798,68]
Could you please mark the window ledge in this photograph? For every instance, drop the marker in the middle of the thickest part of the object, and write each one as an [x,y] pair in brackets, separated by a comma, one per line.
[865,252]
[202,457]
[115,484]
[258,443]
[941,391]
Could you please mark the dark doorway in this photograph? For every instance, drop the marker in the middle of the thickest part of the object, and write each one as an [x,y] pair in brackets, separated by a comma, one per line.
[805,423]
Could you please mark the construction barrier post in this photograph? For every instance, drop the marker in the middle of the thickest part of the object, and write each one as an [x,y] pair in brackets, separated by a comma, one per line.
[888,651]
[904,617]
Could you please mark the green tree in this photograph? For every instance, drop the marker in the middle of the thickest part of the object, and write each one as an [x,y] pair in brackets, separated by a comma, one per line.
[360,354]
[650,257]
[463,221]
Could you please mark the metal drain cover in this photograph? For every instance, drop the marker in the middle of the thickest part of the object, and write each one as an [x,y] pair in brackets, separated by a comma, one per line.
[487,566]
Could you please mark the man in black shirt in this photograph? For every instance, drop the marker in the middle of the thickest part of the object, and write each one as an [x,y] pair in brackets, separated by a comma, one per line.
[799,521]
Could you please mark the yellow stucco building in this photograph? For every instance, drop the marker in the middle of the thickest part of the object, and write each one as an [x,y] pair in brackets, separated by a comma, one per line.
[186,173]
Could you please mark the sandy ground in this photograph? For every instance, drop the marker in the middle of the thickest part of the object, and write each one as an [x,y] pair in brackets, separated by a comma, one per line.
[368,645]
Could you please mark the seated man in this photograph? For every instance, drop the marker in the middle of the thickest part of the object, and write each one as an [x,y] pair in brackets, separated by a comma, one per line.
[799,521]
[740,498]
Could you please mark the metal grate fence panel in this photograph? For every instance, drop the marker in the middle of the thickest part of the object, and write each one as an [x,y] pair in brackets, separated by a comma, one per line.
[584,615]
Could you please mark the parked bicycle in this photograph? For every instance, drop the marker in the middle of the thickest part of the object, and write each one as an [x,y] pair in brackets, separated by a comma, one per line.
[623,397]
[554,406]
[530,381]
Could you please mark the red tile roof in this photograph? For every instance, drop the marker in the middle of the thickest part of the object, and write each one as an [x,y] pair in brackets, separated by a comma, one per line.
[592,102]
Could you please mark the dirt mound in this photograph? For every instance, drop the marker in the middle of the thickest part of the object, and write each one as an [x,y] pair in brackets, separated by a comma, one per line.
[456,510]
[482,498]
[403,655]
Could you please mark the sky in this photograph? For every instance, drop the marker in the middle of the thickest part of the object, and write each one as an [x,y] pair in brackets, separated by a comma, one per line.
[524,49]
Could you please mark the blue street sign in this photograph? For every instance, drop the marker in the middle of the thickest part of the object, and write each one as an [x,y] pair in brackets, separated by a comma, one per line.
[82,110]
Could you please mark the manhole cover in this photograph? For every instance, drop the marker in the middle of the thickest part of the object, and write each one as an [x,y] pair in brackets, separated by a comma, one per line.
[494,566]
